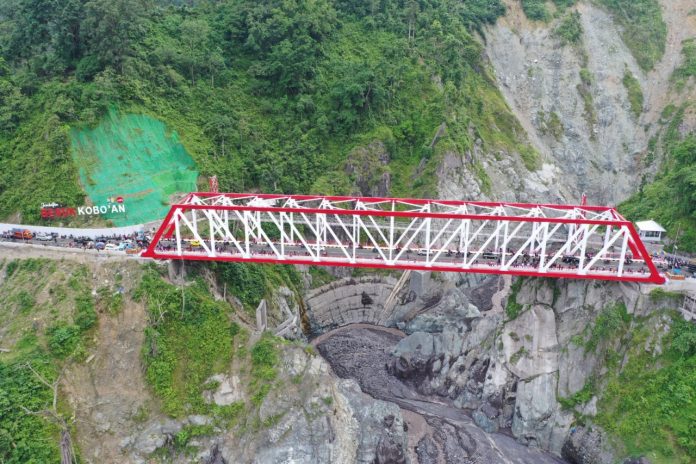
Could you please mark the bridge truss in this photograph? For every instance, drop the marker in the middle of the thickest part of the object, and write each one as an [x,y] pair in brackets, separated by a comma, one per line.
[560,241]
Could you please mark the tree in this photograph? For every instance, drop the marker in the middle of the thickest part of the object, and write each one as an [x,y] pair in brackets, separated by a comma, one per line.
[12,102]
[112,28]
[194,34]
[44,34]
[286,36]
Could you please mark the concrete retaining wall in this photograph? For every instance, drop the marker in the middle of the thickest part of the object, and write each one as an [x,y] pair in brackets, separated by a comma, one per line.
[348,301]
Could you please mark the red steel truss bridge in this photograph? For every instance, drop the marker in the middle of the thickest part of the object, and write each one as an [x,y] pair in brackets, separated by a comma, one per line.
[542,240]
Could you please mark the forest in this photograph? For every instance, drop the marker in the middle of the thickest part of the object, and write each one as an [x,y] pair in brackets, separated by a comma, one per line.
[272,96]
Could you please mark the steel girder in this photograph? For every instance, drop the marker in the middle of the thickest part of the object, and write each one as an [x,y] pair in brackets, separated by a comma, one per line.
[543,240]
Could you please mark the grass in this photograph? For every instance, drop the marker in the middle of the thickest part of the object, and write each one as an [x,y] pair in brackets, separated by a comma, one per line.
[580,397]
[320,276]
[551,124]
[635,94]
[512,307]
[669,199]
[687,68]
[585,91]
[611,322]
[569,31]
[264,363]
[47,315]
[536,10]
[644,30]
[658,294]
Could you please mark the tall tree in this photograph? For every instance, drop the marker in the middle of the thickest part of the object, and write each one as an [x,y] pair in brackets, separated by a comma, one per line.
[112,28]
[194,34]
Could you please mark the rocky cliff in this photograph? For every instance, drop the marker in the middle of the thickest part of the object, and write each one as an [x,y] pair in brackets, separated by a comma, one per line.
[572,99]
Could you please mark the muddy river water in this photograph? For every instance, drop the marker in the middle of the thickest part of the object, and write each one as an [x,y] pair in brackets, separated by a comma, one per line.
[438,432]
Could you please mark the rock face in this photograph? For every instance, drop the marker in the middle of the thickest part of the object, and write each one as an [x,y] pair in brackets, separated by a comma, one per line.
[574,108]
[315,418]
[368,167]
[588,446]
[507,374]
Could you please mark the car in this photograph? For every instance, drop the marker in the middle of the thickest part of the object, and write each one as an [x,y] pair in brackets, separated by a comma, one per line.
[99,245]
[125,245]
[422,252]
[43,237]
[195,243]
[24,234]
[111,247]
[570,259]
[489,255]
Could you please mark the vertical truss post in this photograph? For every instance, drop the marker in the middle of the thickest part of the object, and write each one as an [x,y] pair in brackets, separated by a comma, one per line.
[282,236]
[607,235]
[427,242]
[247,233]
[544,240]
[319,234]
[583,248]
[356,237]
[177,232]
[212,232]
[503,249]
[194,221]
[624,245]
[391,234]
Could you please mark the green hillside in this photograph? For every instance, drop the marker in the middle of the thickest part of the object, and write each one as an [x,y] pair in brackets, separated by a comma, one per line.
[271,96]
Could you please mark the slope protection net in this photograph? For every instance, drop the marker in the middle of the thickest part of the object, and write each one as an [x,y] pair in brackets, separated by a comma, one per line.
[135,157]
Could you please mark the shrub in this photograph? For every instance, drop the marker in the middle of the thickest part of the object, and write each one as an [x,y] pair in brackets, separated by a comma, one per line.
[85,315]
[644,30]
[63,339]
[569,31]
[512,307]
[635,94]
[535,9]
[612,321]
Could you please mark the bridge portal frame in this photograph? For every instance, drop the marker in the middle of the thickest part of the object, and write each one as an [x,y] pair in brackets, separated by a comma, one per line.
[312,223]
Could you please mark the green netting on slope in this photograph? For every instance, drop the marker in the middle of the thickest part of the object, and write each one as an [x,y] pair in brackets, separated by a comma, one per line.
[133,156]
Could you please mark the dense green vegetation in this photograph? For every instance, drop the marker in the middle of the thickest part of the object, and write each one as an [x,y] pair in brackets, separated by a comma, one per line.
[569,31]
[189,339]
[265,95]
[671,198]
[687,68]
[635,94]
[644,30]
[539,11]
[26,438]
[512,307]
[536,10]
[253,282]
[40,336]
[650,405]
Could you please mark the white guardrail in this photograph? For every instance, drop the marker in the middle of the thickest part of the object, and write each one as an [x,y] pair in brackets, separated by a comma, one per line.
[68,231]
